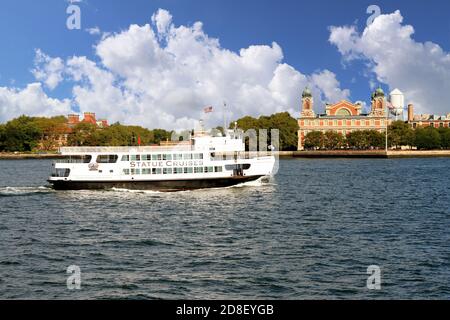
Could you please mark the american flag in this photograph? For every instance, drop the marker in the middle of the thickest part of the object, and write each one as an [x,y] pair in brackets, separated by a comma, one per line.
[208,109]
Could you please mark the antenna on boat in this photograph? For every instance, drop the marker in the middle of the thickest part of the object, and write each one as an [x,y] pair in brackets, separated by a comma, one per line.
[201,126]
[224,118]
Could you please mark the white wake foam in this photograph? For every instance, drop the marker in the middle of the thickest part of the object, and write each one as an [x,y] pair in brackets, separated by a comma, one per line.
[263,181]
[134,191]
[11,191]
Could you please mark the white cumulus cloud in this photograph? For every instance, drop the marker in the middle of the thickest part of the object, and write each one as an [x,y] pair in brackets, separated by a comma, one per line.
[163,20]
[420,70]
[169,73]
[31,101]
[330,87]
[48,70]
[162,75]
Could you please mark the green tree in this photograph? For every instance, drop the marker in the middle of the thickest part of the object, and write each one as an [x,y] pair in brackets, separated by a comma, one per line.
[314,140]
[161,135]
[20,134]
[51,130]
[283,122]
[2,137]
[246,123]
[366,139]
[358,140]
[375,138]
[445,137]
[83,135]
[120,135]
[333,140]
[400,134]
[288,130]
[427,138]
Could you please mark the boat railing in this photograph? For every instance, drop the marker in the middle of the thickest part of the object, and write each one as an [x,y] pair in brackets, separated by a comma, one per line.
[89,150]
[70,161]
[223,156]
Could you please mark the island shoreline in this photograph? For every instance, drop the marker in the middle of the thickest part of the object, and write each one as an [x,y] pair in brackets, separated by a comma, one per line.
[391,154]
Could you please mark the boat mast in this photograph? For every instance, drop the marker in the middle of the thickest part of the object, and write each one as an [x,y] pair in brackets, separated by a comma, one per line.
[224,119]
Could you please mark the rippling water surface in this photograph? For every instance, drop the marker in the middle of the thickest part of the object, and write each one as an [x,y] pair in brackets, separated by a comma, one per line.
[309,234]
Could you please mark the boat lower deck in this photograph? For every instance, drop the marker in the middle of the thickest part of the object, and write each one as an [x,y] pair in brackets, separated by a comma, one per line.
[156,185]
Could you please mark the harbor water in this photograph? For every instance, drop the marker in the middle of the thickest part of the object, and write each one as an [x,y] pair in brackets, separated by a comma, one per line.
[310,233]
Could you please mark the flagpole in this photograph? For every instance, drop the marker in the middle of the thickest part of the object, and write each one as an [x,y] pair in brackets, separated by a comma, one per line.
[387,117]
[224,118]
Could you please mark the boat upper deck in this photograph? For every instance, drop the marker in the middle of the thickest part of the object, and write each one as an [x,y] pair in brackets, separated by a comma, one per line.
[200,143]
[132,149]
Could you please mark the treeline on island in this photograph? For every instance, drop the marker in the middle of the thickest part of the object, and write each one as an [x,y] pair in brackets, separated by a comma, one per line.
[283,122]
[399,134]
[25,134]
[86,134]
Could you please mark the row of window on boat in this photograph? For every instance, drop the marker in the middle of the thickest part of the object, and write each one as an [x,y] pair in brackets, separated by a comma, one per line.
[186,170]
[113,158]
[237,168]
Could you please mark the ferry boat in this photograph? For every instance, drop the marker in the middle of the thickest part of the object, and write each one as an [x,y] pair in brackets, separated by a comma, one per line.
[204,161]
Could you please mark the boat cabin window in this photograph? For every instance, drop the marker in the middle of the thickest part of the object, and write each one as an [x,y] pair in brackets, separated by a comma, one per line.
[76,159]
[167,157]
[187,156]
[198,156]
[61,173]
[126,157]
[178,170]
[146,157]
[209,169]
[156,171]
[177,156]
[244,166]
[156,157]
[135,157]
[183,170]
[107,158]
[198,170]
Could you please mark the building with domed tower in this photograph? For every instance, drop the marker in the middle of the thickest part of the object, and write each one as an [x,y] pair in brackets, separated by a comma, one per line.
[342,117]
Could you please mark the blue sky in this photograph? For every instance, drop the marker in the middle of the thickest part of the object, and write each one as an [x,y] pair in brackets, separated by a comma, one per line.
[300,28]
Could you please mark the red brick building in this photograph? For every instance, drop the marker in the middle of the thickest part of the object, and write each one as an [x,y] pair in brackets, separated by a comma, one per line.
[342,117]
[427,120]
[88,117]
[72,121]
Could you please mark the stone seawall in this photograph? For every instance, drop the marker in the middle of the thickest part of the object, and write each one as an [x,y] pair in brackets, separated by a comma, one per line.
[341,154]
[369,154]
[286,154]
[25,156]
[418,154]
